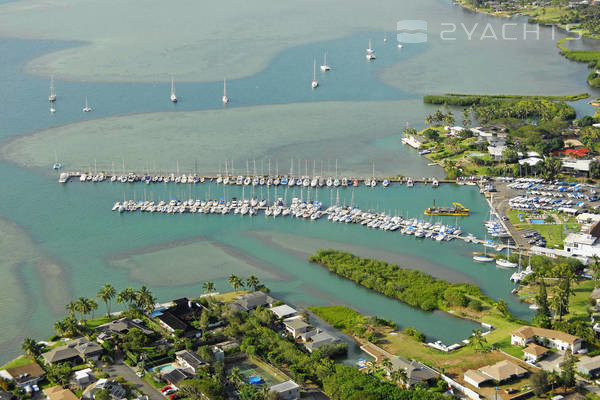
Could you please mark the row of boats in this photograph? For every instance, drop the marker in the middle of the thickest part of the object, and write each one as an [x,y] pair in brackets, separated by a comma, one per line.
[300,209]
[241,180]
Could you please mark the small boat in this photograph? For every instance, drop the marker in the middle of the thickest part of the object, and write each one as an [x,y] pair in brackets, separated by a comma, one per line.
[400,46]
[410,182]
[52,96]
[325,67]
[315,83]
[86,108]
[371,57]
[385,183]
[483,259]
[225,99]
[57,165]
[173,95]
[52,109]
[435,183]
[370,48]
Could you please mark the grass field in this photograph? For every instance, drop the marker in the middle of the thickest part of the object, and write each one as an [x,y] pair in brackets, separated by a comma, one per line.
[229,296]
[553,233]
[17,362]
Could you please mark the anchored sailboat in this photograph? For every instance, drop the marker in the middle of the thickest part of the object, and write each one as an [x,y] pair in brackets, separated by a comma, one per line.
[173,95]
[52,96]
[225,99]
[315,83]
[325,67]
[86,108]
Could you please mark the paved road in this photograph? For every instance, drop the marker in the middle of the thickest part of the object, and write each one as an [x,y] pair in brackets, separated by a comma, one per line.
[122,369]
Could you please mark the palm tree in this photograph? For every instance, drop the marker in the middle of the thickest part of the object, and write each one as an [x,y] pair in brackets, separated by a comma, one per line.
[31,347]
[145,299]
[386,363]
[208,287]
[126,295]
[399,377]
[106,294]
[253,282]
[93,306]
[83,307]
[66,326]
[596,269]
[71,308]
[235,282]
[236,376]
[373,368]
[477,340]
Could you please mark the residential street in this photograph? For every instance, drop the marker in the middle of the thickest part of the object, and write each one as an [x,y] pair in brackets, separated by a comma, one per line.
[122,369]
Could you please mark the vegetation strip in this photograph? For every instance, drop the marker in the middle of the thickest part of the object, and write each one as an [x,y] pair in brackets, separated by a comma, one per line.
[472,99]
[412,287]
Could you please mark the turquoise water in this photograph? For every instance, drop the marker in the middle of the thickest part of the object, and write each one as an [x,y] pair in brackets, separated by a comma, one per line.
[72,225]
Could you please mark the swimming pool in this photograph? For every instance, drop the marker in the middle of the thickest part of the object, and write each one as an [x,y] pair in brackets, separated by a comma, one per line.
[163,368]
[536,221]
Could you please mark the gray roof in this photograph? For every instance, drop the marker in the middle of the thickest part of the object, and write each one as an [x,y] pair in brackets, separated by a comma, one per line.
[415,371]
[322,338]
[295,324]
[175,376]
[284,386]
[80,347]
[252,300]
[191,358]
[283,311]
[589,364]
[122,325]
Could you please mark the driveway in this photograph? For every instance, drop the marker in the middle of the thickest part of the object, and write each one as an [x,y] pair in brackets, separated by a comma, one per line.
[551,361]
[122,369]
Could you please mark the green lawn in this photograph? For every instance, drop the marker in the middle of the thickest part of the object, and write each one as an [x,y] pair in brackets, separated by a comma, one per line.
[96,322]
[229,296]
[553,233]
[17,362]
[580,302]
[149,379]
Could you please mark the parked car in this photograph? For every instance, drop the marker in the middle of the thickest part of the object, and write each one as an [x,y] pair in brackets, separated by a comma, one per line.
[168,387]
[170,391]
[174,396]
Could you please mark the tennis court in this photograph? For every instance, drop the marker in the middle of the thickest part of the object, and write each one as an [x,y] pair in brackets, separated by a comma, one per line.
[255,368]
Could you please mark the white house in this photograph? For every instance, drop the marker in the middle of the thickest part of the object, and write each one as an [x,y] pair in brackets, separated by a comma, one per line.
[548,337]
[284,311]
[534,352]
[288,390]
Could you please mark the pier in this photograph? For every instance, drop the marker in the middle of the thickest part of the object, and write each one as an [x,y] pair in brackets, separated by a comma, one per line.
[251,180]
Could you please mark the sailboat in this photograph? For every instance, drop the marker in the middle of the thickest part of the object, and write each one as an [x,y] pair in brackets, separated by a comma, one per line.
[87,108]
[315,83]
[484,258]
[325,67]
[225,98]
[370,49]
[52,109]
[52,96]
[173,95]
[505,263]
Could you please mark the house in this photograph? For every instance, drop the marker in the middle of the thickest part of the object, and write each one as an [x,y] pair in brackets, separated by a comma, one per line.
[251,301]
[534,352]
[503,371]
[25,375]
[189,360]
[284,311]
[576,165]
[83,377]
[179,317]
[322,338]
[76,351]
[589,365]
[530,161]
[296,326]
[496,151]
[176,375]
[476,378]
[119,327]
[288,390]
[58,393]
[116,390]
[547,337]
[415,371]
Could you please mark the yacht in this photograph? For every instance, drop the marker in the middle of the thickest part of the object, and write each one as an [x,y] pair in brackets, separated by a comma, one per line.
[325,67]
[173,95]
[484,258]
[505,263]
[315,83]
[52,96]
[87,108]
[225,99]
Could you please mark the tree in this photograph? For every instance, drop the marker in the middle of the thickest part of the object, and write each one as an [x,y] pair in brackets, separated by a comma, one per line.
[145,300]
[67,326]
[596,270]
[126,295]
[543,316]
[106,294]
[502,307]
[60,374]
[84,307]
[553,379]
[399,377]
[448,119]
[467,122]
[30,347]
[477,340]
[102,394]
[235,282]
[253,282]
[595,170]
[550,168]
[560,301]
[431,134]
[510,156]
[386,363]
[567,374]
[93,306]
[539,382]
[208,287]
[236,376]
[71,308]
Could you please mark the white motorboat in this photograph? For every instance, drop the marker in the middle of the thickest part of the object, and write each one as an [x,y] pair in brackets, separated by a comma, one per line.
[371,57]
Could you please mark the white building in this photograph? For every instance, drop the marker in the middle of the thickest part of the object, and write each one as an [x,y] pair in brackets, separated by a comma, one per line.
[547,337]
[576,165]
[288,390]
[582,244]
[284,311]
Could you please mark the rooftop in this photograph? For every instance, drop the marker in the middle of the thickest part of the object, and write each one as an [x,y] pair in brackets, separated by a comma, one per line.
[503,370]
[476,376]
[26,373]
[295,323]
[589,363]
[535,349]
[283,311]
[527,332]
[284,386]
[58,393]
